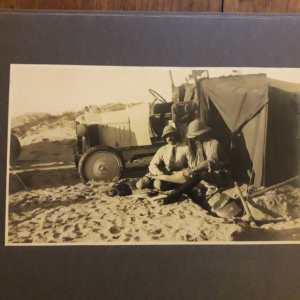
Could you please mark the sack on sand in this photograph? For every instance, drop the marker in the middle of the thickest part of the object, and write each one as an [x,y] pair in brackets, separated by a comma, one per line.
[121,189]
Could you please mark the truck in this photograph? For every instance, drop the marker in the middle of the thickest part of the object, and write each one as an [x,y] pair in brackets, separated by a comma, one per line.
[105,141]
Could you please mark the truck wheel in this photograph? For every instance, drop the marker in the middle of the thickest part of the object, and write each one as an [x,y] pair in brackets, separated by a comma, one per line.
[100,163]
[15,148]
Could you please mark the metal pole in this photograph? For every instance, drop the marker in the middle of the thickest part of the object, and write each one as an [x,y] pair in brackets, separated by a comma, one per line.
[275,186]
[172,82]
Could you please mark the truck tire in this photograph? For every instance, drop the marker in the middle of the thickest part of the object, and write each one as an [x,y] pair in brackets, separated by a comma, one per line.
[100,163]
[15,148]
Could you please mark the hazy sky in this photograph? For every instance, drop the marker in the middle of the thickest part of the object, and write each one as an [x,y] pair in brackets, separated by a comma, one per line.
[58,88]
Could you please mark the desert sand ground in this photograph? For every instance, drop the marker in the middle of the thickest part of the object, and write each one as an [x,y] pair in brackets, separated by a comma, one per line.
[54,206]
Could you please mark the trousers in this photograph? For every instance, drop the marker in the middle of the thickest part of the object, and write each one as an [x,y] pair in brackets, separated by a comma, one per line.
[147,182]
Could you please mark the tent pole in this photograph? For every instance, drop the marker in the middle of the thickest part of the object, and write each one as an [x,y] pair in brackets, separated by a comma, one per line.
[272,187]
[172,81]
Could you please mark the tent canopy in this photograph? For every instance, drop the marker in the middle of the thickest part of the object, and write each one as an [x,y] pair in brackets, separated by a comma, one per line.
[244,111]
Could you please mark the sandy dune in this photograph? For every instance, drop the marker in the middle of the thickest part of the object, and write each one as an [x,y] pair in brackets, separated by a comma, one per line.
[57,208]
[83,213]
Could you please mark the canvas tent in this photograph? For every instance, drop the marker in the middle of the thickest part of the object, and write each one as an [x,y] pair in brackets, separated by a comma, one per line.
[257,119]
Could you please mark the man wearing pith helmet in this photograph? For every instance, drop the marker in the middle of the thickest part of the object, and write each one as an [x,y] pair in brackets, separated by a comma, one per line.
[167,160]
[207,157]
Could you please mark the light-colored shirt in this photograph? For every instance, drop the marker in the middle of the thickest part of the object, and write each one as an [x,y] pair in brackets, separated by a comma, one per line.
[171,160]
[210,151]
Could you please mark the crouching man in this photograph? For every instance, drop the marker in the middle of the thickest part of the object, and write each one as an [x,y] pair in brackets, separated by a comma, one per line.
[207,158]
[168,160]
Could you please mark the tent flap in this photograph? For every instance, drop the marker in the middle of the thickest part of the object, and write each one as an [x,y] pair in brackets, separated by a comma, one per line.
[236,101]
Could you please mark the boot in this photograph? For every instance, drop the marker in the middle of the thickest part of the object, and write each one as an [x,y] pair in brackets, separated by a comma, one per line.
[197,195]
[183,189]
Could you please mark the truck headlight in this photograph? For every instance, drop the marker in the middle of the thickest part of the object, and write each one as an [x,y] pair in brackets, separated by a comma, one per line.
[80,130]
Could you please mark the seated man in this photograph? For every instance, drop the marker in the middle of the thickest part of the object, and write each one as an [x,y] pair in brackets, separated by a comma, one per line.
[167,160]
[206,161]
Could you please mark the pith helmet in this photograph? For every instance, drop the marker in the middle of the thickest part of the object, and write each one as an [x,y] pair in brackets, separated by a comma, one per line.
[167,130]
[196,128]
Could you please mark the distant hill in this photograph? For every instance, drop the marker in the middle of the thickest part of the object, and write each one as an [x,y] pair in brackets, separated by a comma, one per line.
[115,106]
[35,127]
[27,118]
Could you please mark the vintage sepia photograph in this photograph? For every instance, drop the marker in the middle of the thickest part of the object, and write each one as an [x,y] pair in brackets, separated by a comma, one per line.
[103,155]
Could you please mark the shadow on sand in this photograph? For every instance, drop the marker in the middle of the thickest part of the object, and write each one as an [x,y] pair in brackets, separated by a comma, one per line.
[45,152]
[54,178]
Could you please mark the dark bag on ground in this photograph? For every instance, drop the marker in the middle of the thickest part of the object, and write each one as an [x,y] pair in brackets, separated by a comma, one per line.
[121,189]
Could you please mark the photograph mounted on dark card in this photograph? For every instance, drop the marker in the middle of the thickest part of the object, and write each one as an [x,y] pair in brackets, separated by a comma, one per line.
[106,155]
